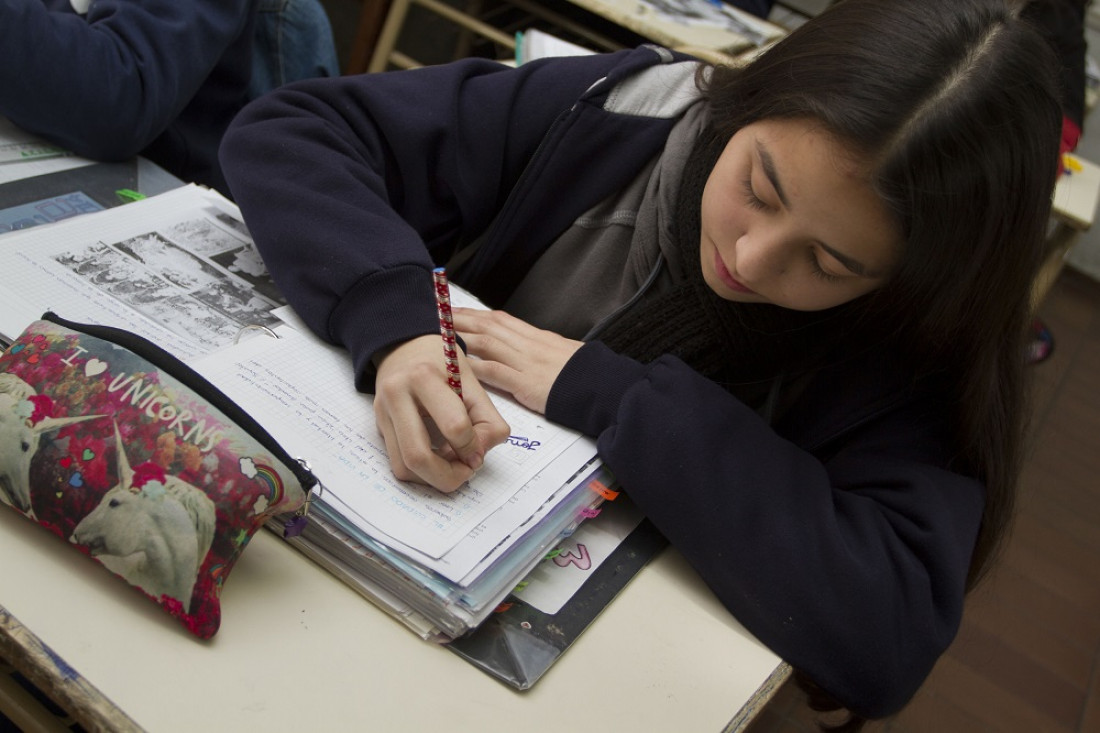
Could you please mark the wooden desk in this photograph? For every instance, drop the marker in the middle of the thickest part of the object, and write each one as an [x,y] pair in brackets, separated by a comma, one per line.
[298,650]
[1076,197]
[647,22]
[636,17]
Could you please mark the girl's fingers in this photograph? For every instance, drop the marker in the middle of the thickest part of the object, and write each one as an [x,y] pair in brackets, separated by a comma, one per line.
[412,451]
[513,355]
[433,435]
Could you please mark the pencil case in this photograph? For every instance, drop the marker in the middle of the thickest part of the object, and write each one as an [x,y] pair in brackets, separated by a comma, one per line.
[137,461]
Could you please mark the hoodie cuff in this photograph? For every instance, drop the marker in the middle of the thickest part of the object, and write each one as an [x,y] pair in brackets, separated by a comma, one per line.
[587,393]
[382,310]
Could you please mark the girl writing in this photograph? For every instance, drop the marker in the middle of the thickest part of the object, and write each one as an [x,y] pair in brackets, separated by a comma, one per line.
[788,300]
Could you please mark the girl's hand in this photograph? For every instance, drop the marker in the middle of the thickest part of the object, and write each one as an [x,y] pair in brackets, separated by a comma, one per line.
[432,435]
[512,355]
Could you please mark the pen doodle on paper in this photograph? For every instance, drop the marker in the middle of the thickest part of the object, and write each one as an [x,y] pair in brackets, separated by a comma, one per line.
[581,560]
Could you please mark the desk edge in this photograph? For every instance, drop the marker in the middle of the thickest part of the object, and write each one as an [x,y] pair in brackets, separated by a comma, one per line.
[763,695]
[32,658]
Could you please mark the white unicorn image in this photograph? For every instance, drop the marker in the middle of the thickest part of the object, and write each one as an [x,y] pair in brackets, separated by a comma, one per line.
[19,438]
[156,536]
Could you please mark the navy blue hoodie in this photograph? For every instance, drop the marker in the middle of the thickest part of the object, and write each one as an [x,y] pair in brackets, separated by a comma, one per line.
[839,536]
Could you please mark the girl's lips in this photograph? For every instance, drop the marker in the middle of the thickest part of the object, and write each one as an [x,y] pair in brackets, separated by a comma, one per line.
[725,276]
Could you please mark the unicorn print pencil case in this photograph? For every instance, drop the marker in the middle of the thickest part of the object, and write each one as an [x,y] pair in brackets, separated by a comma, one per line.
[120,449]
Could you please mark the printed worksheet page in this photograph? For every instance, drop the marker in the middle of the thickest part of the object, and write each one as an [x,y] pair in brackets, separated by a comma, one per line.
[179,269]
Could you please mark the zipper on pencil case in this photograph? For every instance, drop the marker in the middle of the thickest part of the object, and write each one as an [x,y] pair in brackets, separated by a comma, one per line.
[194,381]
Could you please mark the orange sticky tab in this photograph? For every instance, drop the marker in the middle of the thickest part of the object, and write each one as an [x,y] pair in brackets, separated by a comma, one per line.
[598,486]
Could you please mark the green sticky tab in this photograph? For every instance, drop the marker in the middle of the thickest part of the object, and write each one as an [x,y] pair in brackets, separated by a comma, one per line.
[126,195]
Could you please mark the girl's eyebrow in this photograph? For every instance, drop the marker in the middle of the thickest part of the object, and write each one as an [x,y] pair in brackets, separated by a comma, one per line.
[853,265]
[768,165]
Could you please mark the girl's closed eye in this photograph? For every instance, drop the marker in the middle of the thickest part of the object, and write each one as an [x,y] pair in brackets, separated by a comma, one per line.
[751,198]
[819,272]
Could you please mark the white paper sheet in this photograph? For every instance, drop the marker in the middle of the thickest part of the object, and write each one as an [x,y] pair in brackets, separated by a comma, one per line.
[23,155]
[303,391]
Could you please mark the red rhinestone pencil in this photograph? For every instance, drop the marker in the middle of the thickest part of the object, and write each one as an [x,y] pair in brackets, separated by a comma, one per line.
[447,329]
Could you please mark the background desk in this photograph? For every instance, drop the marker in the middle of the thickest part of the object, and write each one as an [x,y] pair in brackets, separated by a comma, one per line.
[297,650]
[1074,210]
[639,19]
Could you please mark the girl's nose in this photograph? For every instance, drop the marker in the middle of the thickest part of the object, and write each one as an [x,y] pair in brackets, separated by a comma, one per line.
[759,255]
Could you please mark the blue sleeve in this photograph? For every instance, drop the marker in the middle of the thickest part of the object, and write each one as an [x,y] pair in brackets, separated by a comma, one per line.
[851,566]
[352,187]
[107,84]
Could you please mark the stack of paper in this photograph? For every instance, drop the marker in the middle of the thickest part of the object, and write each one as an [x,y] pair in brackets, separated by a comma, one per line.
[450,557]
[428,602]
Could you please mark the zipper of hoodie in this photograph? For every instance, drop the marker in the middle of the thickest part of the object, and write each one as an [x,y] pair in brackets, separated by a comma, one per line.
[462,256]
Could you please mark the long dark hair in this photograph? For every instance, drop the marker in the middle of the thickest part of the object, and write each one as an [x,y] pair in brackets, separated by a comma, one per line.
[954,104]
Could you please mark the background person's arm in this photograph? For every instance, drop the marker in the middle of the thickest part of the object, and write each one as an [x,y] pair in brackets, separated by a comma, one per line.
[107,84]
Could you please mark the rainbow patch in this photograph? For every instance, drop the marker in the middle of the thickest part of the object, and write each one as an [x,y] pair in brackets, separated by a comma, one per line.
[270,478]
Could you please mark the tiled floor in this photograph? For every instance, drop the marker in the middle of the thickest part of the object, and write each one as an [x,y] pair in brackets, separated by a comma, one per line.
[1028,656]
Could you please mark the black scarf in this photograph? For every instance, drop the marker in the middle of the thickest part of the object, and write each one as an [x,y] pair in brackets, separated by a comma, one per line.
[742,346]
